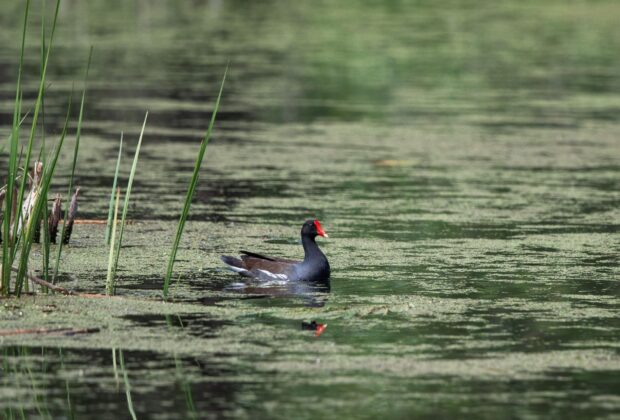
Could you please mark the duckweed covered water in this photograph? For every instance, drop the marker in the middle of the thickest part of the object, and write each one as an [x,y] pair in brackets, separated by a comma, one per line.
[463,158]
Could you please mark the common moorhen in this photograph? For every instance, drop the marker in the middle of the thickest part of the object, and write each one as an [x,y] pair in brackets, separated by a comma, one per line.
[314,267]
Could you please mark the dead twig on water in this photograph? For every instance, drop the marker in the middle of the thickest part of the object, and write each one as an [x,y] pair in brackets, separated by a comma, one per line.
[67,292]
[98,222]
[47,284]
[63,331]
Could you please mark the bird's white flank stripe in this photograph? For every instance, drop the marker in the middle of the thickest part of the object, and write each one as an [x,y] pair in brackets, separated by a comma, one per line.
[237,269]
[274,276]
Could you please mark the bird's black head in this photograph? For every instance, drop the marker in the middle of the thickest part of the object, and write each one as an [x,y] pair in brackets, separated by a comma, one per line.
[312,228]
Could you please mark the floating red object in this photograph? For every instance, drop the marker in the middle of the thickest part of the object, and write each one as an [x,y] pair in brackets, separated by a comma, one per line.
[314,326]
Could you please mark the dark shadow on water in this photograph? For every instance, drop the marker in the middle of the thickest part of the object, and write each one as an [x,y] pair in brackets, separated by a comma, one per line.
[219,194]
[198,325]
[86,383]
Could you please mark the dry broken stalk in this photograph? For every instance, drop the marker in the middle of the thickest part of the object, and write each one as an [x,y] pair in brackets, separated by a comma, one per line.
[31,198]
[70,218]
[54,218]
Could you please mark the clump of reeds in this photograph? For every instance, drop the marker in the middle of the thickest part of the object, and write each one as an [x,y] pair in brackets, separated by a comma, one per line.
[24,197]
[55,215]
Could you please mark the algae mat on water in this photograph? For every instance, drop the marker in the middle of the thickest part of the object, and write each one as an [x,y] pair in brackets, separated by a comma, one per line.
[462,278]
[400,349]
[463,157]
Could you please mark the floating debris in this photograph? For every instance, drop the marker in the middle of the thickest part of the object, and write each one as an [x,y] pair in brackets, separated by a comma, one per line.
[313,326]
[61,331]
[391,163]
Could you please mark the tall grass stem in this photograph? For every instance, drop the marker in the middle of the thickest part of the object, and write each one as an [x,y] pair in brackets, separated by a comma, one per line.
[191,190]
[33,127]
[73,165]
[7,246]
[110,277]
[29,228]
[111,205]
[134,165]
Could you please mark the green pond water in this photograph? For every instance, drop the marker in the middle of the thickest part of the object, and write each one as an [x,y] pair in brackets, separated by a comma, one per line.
[464,157]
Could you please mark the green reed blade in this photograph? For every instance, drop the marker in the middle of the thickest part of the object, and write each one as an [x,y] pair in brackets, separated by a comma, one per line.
[75,155]
[110,278]
[45,243]
[7,250]
[111,205]
[134,165]
[42,151]
[46,179]
[35,117]
[191,189]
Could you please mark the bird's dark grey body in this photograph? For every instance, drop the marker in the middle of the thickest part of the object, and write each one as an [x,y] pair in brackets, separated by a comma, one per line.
[313,268]
[315,264]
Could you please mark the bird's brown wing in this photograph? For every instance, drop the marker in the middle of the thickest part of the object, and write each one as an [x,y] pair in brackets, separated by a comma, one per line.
[247,254]
[261,266]
[274,266]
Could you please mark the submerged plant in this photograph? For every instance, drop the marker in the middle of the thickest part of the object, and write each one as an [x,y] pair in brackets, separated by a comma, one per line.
[132,412]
